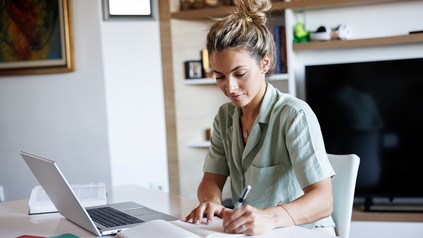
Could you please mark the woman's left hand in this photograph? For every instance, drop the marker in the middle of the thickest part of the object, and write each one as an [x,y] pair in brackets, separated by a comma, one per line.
[249,220]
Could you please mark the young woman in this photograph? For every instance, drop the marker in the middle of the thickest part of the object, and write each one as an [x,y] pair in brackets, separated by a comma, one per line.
[263,137]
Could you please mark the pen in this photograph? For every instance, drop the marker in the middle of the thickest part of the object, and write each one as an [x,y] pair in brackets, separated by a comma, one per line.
[241,200]
[242,197]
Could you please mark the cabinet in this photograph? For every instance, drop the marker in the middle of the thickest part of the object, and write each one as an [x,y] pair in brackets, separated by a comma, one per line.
[191,105]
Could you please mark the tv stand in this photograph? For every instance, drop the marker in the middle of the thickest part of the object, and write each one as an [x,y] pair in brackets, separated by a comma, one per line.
[403,205]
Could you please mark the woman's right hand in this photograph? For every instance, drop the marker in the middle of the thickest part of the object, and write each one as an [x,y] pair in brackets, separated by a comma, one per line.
[207,209]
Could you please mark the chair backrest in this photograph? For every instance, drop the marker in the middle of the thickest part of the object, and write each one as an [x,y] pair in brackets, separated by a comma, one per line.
[343,185]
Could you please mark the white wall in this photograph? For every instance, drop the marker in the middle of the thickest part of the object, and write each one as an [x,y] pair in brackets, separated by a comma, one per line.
[135,102]
[108,112]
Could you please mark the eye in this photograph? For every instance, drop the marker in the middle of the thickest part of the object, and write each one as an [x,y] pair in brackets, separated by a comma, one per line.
[219,76]
[241,74]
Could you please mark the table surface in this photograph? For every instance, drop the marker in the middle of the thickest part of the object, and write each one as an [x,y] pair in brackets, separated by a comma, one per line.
[15,221]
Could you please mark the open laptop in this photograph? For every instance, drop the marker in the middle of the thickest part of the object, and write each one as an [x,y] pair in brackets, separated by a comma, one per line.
[61,194]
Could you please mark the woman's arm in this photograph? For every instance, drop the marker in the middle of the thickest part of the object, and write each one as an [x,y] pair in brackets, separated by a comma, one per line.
[210,188]
[315,204]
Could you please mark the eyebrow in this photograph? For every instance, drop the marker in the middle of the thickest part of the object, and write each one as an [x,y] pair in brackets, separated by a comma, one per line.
[234,69]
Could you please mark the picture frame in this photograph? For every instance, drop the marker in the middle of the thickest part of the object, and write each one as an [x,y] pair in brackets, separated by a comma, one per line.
[193,69]
[24,51]
[128,9]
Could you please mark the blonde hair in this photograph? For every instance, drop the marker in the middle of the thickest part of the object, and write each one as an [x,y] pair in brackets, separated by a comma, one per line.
[245,29]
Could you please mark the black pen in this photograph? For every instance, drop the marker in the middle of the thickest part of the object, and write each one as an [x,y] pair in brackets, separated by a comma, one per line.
[241,200]
[242,197]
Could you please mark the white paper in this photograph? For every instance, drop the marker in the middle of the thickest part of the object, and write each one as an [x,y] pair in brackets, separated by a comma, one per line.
[89,194]
[177,229]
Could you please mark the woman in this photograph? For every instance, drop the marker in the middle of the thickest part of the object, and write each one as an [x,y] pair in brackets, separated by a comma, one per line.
[263,138]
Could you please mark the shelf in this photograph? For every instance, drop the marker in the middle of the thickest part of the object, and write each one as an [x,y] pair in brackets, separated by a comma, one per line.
[199,144]
[200,81]
[206,13]
[334,44]
[208,81]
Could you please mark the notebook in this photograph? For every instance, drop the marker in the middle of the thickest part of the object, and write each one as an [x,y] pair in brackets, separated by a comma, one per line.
[63,197]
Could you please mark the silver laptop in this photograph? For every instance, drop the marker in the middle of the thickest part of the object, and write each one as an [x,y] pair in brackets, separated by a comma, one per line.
[61,194]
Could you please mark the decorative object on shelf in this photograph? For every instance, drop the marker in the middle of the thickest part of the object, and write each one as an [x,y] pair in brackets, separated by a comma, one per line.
[193,69]
[342,32]
[24,50]
[212,3]
[209,133]
[227,2]
[206,64]
[192,4]
[186,5]
[300,33]
[323,33]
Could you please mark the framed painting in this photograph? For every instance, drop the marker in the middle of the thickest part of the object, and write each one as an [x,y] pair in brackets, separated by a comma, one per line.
[35,37]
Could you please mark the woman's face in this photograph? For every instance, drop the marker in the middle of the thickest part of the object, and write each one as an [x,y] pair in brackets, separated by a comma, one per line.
[239,76]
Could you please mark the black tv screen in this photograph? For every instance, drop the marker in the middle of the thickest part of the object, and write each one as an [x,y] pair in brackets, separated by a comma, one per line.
[375,110]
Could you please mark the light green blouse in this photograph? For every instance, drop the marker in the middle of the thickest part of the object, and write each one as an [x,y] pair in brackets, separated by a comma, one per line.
[284,153]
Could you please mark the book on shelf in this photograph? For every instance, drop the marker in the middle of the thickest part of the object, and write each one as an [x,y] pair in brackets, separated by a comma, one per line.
[89,194]
[279,37]
[283,52]
[277,42]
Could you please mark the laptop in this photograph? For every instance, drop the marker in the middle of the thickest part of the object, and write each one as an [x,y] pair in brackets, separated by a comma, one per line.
[63,197]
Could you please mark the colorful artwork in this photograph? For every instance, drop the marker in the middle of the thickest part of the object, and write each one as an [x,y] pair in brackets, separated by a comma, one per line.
[32,35]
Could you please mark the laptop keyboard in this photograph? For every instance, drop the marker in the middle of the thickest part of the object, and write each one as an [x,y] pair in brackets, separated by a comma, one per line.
[110,217]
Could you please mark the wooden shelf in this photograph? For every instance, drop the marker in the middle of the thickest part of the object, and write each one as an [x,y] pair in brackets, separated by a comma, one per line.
[334,44]
[200,81]
[199,144]
[206,13]
[316,4]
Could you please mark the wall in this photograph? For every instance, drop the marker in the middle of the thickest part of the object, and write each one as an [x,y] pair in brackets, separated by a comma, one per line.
[135,101]
[93,118]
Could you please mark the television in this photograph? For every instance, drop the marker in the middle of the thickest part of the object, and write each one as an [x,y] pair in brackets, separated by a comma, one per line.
[375,110]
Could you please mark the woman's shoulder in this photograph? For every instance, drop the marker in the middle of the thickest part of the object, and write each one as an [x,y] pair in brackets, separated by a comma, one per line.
[285,101]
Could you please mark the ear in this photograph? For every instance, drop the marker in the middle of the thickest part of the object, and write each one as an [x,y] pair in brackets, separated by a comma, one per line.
[265,63]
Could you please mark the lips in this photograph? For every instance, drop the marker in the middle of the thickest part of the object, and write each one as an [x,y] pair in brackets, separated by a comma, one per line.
[236,97]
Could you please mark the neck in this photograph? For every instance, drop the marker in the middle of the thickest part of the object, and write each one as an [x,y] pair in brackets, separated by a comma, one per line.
[251,110]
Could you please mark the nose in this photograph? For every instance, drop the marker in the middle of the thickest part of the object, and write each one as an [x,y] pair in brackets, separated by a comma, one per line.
[233,84]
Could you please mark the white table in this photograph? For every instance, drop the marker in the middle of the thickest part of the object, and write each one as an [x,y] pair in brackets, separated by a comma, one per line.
[15,221]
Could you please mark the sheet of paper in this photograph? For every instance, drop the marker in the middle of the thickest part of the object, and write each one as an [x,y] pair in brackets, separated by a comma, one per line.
[89,194]
[214,229]
[157,229]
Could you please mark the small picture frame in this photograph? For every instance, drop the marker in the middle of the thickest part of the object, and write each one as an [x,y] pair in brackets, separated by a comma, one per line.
[193,69]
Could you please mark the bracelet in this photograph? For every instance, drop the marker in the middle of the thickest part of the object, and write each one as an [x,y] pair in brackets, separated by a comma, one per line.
[281,205]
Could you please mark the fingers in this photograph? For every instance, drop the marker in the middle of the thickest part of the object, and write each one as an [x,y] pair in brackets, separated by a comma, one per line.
[235,221]
[196,215]
[204,210]
[236,227]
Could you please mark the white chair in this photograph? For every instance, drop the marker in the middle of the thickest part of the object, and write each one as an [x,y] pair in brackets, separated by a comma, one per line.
[343,185]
